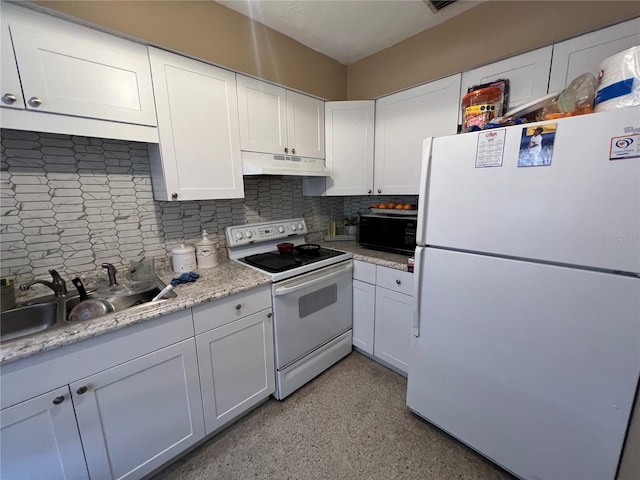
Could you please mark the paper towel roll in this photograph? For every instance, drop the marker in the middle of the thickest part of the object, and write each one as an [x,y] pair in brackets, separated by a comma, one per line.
[619,81]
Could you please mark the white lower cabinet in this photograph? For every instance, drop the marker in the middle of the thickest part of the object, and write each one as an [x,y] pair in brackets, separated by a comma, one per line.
[383,313]
[40,439]
[235,355]
[137,416]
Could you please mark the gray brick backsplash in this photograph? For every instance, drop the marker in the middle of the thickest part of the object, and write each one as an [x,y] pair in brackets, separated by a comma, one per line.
[72,203]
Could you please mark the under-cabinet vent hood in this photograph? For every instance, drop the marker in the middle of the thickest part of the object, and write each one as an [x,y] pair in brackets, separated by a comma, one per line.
[254,163]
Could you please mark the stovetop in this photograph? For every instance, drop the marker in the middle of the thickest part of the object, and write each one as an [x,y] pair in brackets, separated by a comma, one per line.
[275,262]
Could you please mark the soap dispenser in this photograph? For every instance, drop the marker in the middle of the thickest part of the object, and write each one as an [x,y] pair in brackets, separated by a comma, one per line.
[205,252]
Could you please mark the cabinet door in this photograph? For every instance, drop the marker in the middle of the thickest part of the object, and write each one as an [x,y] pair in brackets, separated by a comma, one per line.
[39,439]
[10,88]
[262,109]
[528,76]
[584,53]
[403,121]
[364,301]
[72,70]
[236,367]
[393,320]
[349,128]
[198,128]
[305,125]
[138,415]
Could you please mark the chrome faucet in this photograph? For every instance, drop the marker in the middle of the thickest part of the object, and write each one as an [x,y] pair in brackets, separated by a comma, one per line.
[58,285]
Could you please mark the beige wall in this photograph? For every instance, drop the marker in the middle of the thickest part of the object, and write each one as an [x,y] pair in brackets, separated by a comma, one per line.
[488,32]
[214,33]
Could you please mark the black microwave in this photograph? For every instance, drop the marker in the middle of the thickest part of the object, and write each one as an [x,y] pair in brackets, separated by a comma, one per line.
[388,233]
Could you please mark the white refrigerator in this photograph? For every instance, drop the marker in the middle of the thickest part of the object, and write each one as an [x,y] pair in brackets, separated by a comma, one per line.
[526,325]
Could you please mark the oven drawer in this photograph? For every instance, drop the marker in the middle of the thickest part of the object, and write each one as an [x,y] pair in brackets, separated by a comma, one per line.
[395,280]
[220,312]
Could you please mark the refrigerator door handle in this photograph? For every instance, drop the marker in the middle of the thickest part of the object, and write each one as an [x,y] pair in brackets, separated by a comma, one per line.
[417,282]
[425,174]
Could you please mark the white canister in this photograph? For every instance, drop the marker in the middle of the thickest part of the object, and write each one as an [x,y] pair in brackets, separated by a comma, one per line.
[184,259]
[206,254]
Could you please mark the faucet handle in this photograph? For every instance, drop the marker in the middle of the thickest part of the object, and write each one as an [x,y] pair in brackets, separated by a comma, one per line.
[111,271]
[58,280]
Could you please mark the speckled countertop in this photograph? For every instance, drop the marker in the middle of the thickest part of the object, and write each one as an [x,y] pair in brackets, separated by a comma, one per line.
[225,279]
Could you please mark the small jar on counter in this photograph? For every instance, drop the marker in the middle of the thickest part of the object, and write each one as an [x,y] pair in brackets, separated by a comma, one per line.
[183,259]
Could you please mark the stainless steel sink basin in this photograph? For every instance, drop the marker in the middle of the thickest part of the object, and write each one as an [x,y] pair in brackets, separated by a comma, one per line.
[27,320]
[42,314]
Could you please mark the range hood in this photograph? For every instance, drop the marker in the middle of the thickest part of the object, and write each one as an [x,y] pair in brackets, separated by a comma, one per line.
[254,163]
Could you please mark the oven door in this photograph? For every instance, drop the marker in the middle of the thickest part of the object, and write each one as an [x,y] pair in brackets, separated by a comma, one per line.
[311,309]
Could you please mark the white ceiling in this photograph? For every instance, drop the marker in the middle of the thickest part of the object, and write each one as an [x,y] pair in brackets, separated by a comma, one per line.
[347,30]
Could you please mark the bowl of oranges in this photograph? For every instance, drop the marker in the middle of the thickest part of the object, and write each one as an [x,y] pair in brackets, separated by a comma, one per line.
[393,208]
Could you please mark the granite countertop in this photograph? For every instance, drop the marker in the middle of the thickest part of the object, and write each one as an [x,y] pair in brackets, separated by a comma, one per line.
[223,280]
[226,279]
[386,259]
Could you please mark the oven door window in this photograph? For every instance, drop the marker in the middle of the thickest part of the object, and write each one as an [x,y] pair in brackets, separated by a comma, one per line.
[316,301]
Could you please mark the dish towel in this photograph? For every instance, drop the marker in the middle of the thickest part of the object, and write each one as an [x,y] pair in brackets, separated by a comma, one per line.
[185,278]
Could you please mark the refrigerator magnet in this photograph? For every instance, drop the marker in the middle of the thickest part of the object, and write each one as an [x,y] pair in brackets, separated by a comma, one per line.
[490,149]
[627,146]
[536,145]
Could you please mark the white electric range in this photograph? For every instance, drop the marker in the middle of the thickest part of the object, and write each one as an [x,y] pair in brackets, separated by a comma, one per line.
[311,295]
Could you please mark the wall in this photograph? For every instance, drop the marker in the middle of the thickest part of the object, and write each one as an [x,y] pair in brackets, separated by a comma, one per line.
[217,34]
[72,203]
[488,32]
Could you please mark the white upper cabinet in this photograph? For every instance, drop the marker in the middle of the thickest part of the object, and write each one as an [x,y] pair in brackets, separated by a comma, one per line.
[69,69]
[349,129]
[528,76]
[199,153]
[11,91]
[279,121]
[584,53]
[403,121]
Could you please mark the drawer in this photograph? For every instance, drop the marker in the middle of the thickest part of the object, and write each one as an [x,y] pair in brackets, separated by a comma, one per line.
[365,272]
[395,280]
[220,312]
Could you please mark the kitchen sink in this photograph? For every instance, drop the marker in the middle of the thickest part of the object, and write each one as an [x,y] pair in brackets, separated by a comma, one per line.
[28,320]
[42,314]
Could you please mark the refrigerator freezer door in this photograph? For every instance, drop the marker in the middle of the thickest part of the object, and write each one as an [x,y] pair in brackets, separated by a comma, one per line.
[534,366]
[583,209]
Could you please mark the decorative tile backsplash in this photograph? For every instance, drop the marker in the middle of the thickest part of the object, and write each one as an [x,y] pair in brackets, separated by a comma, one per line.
[72,203]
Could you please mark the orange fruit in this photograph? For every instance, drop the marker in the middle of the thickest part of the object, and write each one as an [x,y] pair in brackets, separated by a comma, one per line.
[407,207]
[382,205]
[399,206]
[375,205]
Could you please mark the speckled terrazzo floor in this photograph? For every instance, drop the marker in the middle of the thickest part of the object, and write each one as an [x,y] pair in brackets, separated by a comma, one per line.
[351,422]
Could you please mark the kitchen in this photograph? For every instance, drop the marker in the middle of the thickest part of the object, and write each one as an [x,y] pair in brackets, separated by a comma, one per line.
[141,217]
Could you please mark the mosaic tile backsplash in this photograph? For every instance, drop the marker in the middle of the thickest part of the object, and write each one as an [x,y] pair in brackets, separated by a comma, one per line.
[72,203]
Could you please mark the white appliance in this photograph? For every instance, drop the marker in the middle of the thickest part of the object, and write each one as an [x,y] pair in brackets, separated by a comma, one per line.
[527,319]
[311,295]
[256,163]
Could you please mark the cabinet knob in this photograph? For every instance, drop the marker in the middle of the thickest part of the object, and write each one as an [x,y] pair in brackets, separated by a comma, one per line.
[398,282]
[174,195]
[35,101]
[82,390]
[293,150]
[9,98]
[269,315]
[238,307]
[286,150]
[379,190]
[58,400]
[369,191]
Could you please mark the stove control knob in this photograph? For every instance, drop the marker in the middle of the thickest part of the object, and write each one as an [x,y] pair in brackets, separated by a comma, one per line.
[281,229]
[293,227]
[239,235]
[248,234]
[300,226]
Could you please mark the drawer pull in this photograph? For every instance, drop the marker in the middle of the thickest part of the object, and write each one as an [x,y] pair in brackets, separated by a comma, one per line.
[9,98]
[398,282]
[238,307]
[82,390]
[35,101]
[58,400]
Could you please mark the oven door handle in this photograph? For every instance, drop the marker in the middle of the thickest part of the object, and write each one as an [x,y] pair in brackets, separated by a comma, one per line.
[305,281]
